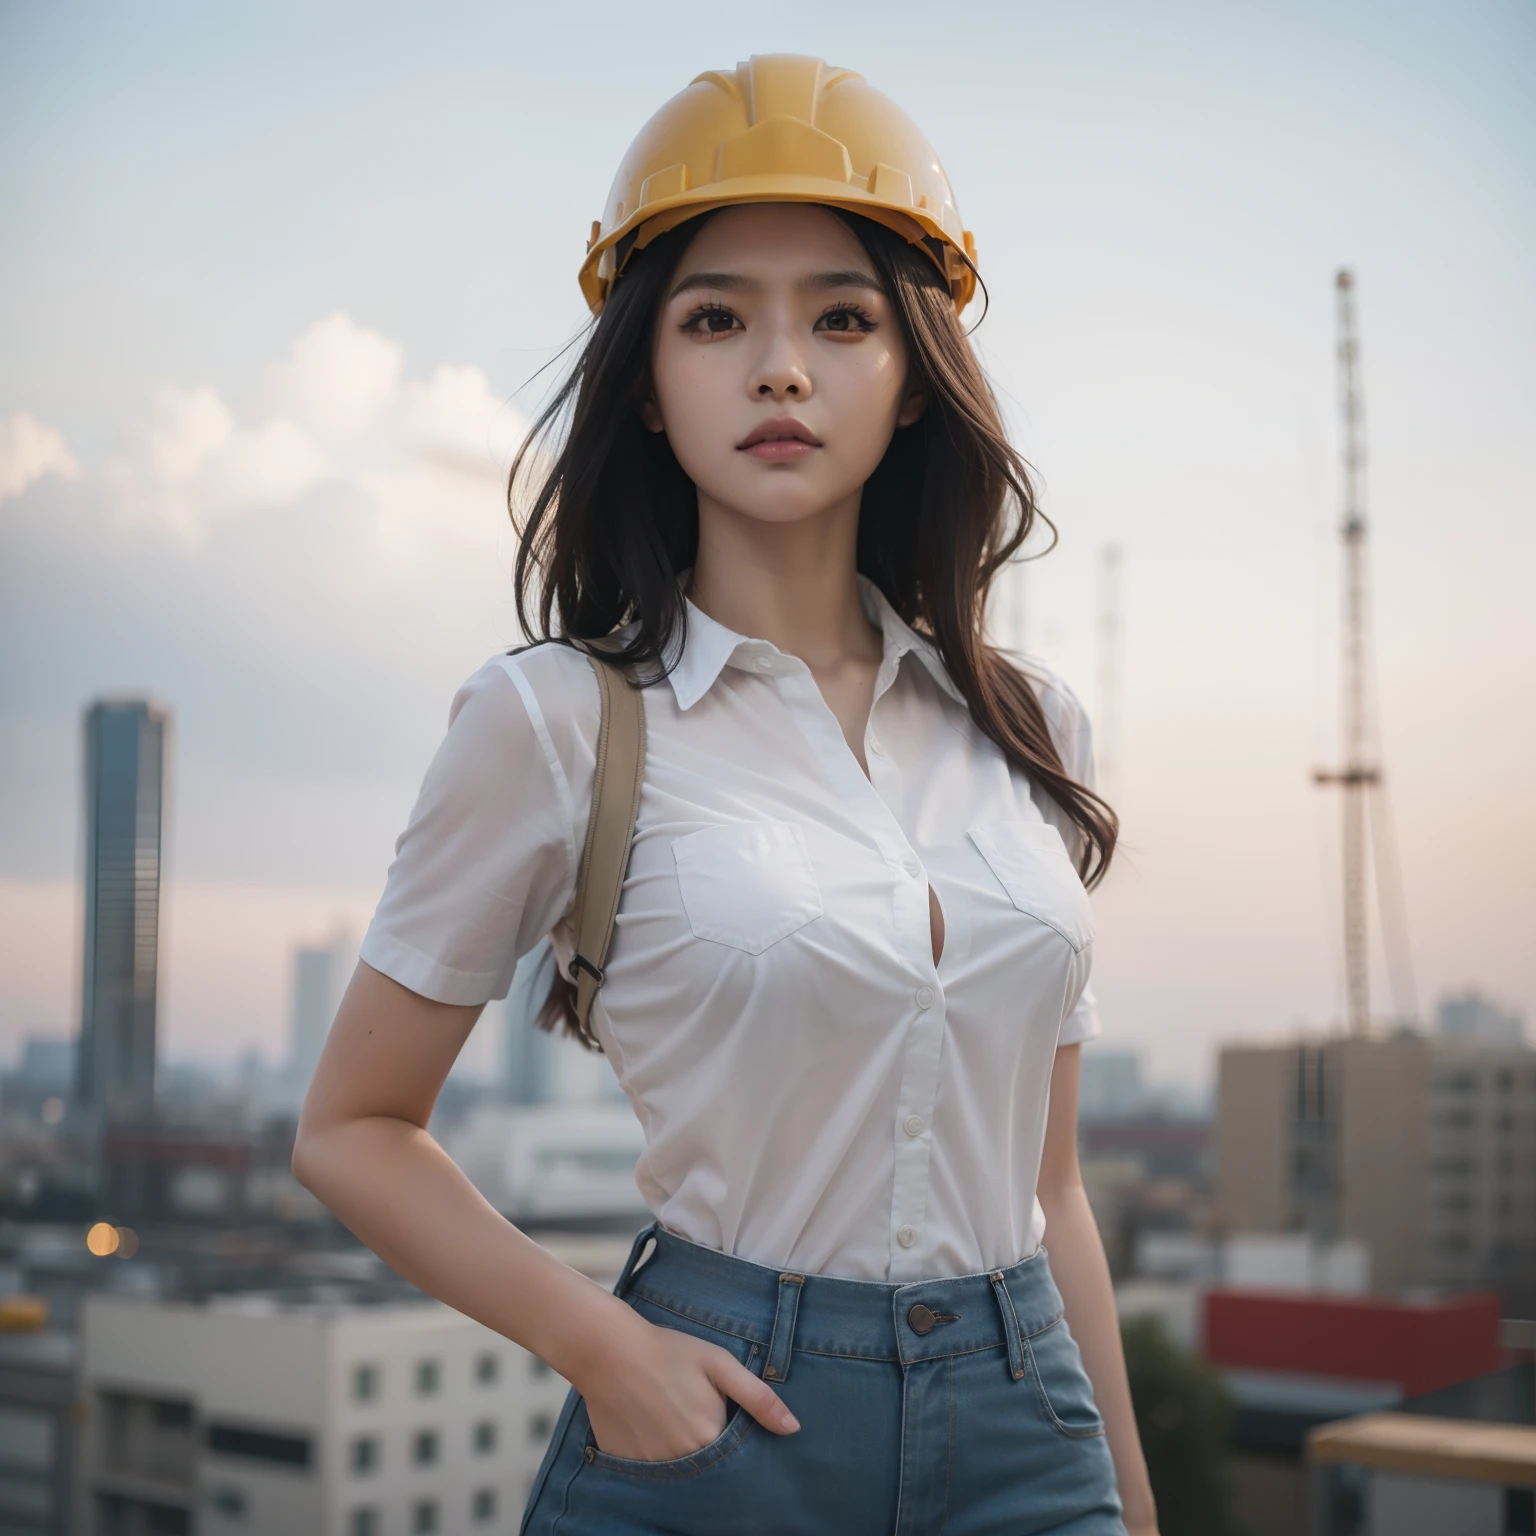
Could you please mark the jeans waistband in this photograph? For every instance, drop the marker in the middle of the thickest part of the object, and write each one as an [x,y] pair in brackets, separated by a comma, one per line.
[784,1312]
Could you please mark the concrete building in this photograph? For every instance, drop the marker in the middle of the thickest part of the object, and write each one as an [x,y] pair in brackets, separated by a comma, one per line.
[554,1162]
[1423,1150]
[125,757]
[37,1421]
[255,1416]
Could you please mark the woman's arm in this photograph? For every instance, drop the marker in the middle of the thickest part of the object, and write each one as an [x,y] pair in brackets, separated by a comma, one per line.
[1082,1276]
[363,1149]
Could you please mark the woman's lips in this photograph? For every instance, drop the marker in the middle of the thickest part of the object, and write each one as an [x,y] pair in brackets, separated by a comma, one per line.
[779,439]
[777,449]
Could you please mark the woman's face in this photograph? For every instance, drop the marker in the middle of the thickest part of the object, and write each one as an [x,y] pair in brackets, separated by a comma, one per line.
[779,368]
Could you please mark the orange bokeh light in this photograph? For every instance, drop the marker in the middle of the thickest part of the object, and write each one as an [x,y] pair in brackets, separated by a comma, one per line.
[102,1239]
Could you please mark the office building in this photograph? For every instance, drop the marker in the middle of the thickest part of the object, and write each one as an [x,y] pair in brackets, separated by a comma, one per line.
[259,1416]
[1421,1149]
[1471,1016]
[38,1415]
[125,760]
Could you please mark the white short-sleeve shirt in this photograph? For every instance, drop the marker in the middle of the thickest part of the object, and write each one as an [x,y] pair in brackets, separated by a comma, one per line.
[815,1093]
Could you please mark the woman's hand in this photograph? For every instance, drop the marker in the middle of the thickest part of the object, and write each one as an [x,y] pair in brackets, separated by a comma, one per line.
[661,1394]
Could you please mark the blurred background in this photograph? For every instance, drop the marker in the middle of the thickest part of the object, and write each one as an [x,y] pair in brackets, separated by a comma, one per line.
[279,291]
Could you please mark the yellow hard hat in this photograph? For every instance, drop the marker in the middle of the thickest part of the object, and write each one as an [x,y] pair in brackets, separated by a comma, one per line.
[780,128]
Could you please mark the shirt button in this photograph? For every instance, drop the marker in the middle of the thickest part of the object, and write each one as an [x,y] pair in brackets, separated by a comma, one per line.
[925,997]
[913,1125]
[765,663]
[876,748]
[906,1236]
[912,867]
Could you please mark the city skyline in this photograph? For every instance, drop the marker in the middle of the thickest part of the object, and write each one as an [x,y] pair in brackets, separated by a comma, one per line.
[266,489]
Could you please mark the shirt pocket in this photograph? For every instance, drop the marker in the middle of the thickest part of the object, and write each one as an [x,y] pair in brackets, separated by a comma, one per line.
[747,884]
[1032,865]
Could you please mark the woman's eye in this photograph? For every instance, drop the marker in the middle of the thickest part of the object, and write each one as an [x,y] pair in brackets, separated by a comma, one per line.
[711,322]
[845,319]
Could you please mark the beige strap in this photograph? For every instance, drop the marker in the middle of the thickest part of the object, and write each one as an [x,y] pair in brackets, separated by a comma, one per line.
[616,785]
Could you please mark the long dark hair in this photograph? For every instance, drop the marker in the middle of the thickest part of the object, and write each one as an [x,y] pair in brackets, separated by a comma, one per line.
[610,519]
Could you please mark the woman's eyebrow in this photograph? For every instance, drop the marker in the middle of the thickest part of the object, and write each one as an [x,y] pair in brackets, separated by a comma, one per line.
[736,282]
[730,282]
[849,278]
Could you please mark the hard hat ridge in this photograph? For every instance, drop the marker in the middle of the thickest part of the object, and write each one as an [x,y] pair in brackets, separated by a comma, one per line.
[780,128]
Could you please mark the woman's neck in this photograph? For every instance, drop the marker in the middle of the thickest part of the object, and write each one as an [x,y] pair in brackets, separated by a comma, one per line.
[794,584]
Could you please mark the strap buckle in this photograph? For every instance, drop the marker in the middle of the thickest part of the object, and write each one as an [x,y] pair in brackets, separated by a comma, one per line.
[579,962]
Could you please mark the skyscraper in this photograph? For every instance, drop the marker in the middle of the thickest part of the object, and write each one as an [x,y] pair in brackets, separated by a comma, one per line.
[125,750]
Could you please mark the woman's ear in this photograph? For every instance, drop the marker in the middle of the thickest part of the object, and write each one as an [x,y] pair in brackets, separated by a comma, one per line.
[650,414]
[913,403]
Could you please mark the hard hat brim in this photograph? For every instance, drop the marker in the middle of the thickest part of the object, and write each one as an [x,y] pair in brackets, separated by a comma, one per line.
[654,218]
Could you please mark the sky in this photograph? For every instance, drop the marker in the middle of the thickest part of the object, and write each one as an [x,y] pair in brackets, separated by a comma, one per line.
[277,284]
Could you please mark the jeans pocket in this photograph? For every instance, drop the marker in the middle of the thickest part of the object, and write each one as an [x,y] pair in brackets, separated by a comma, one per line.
[1061,1384]
[738,1422]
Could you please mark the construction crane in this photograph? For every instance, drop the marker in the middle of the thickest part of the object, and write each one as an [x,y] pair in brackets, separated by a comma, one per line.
[1359,778]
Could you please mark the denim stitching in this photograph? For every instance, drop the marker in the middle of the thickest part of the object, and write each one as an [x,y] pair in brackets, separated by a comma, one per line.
[677,1469]
[949,1449]
[1050,1413]
[567,1417]
[694,1317]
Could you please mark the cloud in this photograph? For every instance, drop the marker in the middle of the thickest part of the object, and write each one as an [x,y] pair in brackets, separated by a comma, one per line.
[29,449]
[342,415]
[305,588]
[338,377]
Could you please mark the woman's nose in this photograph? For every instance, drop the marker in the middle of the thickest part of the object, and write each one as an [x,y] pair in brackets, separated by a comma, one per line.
[781,373]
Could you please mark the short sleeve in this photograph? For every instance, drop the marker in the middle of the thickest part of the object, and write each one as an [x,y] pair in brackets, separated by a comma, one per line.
[1083,1022]
[486,866]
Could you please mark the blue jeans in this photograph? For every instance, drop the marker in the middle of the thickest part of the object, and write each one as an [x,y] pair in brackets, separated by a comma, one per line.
[943,1406]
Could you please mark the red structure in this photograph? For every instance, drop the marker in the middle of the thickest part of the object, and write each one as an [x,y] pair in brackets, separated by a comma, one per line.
[1420,1345]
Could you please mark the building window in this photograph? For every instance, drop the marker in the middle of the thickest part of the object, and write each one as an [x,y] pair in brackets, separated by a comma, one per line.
[365,1453]
[364,1522]
[229,1502]
[540,1428]
[485,1436]
[487,1369]
[365,1383]
[424,1515]
[424,1447]
[148,1437]
[429,1376]
[259,1445]
[483,1505]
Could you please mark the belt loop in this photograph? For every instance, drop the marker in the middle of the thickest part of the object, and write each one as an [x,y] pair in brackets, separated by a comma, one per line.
[782,1344]
[633,1262]
[1011,1330]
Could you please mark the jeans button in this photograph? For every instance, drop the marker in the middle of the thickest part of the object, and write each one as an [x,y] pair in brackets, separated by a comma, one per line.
[921,1319]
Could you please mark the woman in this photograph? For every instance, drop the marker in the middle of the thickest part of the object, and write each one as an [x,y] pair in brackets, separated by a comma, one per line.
[848,987]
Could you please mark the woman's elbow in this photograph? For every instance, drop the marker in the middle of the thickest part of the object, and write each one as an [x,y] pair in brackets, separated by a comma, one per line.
[309,1158]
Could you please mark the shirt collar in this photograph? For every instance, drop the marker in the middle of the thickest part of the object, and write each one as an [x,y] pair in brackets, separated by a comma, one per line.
[709,647]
